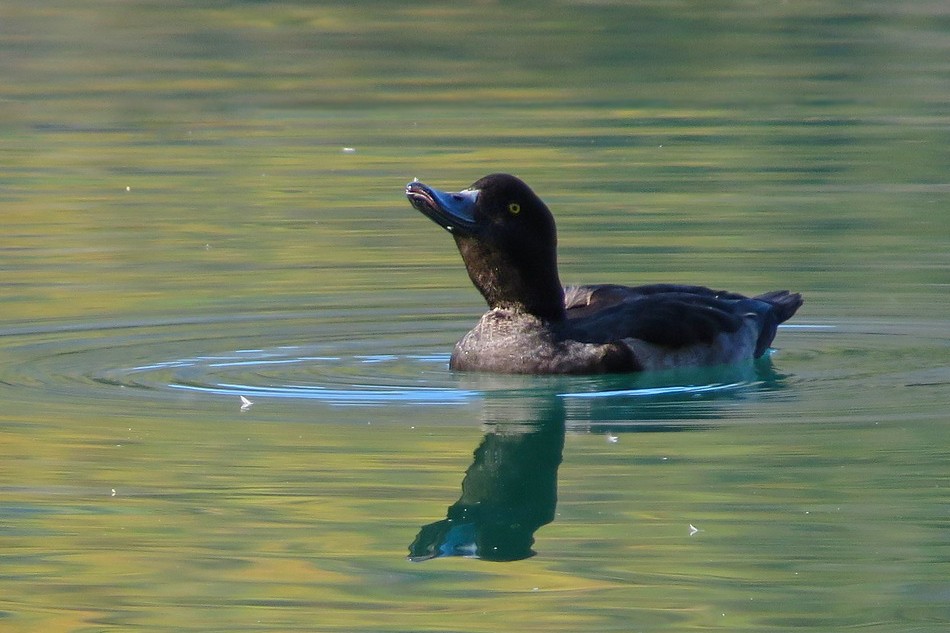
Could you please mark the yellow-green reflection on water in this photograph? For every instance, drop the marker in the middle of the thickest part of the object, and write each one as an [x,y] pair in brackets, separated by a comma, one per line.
[176,184]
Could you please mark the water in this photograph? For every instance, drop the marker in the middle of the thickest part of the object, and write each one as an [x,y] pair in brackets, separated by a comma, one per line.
[205,202]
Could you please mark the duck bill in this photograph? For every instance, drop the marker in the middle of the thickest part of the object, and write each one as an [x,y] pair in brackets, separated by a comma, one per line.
[454,212]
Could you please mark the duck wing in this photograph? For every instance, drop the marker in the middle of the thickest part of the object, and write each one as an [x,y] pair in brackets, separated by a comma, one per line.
[673,315]
[584,299]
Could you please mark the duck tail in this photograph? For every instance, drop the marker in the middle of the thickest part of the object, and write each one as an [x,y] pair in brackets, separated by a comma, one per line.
[783,302]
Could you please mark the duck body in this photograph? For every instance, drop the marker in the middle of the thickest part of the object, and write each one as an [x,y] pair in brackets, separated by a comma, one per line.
[507,238]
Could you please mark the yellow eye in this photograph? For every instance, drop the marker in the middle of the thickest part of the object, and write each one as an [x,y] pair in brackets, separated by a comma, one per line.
[514,208]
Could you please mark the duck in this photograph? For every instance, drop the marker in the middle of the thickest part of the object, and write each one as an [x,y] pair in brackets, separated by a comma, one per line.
[507,238]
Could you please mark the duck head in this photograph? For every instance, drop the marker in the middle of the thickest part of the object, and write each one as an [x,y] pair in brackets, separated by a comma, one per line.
[507,238]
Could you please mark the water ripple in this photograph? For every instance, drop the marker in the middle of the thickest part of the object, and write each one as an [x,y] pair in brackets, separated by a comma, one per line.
[373,359]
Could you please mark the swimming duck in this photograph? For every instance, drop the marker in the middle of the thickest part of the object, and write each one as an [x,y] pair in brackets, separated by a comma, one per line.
[508,242]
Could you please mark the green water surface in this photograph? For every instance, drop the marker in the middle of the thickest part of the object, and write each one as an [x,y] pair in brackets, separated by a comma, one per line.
[202,200]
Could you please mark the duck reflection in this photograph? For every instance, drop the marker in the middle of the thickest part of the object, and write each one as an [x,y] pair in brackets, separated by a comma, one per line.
[508,492]
[510,489]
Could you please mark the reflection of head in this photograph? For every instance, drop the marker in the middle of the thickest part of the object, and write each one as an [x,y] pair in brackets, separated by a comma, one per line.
[472,538]
[508,492]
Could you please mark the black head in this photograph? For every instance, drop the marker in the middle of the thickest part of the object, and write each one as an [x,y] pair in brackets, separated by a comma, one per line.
[507,239]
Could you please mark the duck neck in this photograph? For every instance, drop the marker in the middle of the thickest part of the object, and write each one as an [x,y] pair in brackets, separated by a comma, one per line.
[551,309]
[529,285]
[546,304]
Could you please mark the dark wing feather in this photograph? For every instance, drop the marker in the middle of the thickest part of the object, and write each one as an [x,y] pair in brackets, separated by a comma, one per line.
[670,315]
[678,320]
[599,296]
